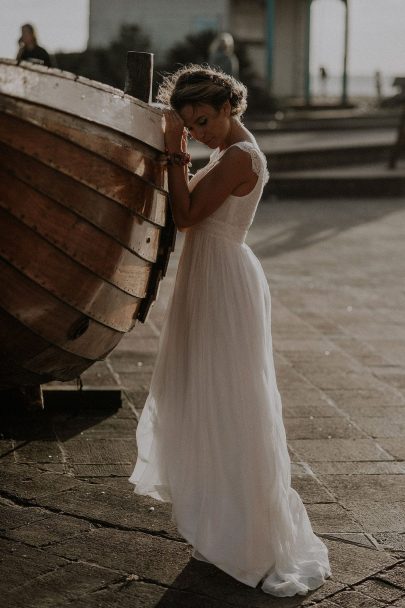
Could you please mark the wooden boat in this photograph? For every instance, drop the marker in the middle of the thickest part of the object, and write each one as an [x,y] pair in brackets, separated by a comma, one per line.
[86,229]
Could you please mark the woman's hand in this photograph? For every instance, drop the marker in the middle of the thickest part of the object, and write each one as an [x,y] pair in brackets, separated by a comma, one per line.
[175,132]
[184,141]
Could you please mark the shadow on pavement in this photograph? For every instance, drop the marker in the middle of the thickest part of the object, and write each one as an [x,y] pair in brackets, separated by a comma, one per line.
[320,221]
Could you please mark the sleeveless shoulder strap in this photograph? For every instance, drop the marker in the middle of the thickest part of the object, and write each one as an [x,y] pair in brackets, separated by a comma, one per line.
[259,160]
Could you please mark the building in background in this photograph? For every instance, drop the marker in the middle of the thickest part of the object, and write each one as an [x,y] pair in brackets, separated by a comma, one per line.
[276,33]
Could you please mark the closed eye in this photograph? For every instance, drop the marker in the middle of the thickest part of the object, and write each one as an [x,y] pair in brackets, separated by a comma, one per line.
[201,123]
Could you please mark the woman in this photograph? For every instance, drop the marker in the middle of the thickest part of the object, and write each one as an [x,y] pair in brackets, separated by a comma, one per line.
[29,49]
[211,438]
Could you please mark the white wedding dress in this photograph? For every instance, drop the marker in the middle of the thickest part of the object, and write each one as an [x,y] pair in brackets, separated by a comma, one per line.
[211,437]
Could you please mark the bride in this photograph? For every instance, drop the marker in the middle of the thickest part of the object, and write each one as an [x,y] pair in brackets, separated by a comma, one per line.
[211,438]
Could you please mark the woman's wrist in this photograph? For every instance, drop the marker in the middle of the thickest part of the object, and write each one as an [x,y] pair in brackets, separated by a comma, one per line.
[177,158]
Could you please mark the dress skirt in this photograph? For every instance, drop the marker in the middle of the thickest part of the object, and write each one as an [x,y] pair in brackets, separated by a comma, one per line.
[211,438]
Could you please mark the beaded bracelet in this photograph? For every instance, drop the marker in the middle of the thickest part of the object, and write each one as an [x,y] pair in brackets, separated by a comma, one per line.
[178,158]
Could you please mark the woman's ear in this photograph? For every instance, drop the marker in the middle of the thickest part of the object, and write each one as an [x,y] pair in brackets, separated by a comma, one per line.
[227,108]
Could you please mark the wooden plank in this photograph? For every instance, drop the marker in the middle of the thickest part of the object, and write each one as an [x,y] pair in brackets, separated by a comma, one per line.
[52,319]
[17,343]
[85,167]
[115,147]
[55,271]
[129,229]
[21,349]
[13,375]
[60,365]
[85,98]
[74,236]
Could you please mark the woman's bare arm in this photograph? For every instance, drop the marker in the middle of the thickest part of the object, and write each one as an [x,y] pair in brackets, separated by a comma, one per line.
[188,208]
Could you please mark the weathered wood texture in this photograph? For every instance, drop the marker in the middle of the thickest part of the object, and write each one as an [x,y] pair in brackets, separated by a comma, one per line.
[85,221]
[79,96]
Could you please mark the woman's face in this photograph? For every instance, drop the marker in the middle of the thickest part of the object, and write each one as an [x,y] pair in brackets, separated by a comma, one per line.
[205,123]
[26,36]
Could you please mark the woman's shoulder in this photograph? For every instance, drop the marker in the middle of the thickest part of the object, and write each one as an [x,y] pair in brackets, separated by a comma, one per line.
[234,148]
[246,148]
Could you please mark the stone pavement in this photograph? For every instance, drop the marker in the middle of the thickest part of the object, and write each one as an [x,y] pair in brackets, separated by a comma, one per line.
[75,534]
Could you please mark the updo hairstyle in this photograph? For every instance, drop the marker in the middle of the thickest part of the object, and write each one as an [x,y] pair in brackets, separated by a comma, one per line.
[194,84]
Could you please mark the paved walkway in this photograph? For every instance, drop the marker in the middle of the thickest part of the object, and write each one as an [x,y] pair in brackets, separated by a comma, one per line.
[73,532]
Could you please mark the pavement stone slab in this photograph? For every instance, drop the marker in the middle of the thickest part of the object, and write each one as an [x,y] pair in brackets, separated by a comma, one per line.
[394,445]
[355,538]
[311,490]
[391,424]
[65,584]
[387,467]
[88,427]
[21,564]
[394,541]
[320,427]
[304,396]
[338,449]
[26,482]
[378,516]
[379,488]
[147,555]
[379,590]
[146,595]
[364,397]
[352,564]
[91,471]
[14,515]
[332,517]
[395,576]
[356,599]
[112,503]
[50,529]
[308,411]
[100,450]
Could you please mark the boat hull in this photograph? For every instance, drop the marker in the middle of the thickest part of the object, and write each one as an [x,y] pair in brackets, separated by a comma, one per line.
[85,221]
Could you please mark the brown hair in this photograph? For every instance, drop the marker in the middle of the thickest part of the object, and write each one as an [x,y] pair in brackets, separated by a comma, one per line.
[194,84]
[32,31]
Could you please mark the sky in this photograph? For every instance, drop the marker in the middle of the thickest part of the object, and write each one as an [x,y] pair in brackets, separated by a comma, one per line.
[377,31]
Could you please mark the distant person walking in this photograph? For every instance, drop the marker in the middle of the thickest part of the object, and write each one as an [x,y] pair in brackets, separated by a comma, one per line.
[323,75]
[378,85]
[222,54]
[29,48]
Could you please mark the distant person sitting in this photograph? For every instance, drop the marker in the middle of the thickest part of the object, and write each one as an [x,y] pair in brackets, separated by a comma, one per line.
[221,54]
[29,48]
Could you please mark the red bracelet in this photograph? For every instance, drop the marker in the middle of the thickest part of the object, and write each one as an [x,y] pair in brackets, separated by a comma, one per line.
[178,158]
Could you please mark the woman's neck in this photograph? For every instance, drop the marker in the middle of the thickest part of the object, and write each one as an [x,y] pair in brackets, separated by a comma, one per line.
[236,132]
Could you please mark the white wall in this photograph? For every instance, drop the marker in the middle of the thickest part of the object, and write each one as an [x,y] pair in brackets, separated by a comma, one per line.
[289,48]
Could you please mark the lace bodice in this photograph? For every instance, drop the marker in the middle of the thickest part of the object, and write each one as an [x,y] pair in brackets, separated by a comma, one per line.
[234,217]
